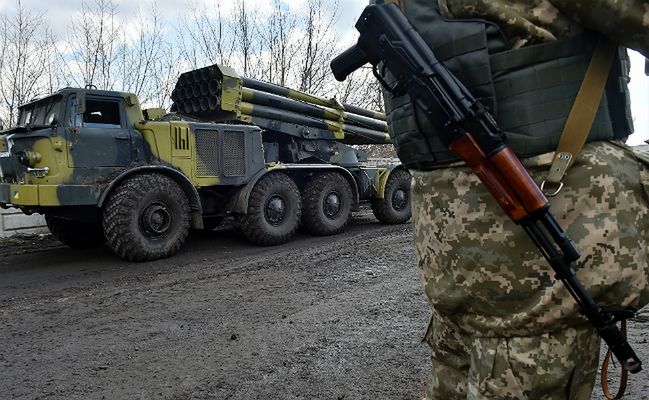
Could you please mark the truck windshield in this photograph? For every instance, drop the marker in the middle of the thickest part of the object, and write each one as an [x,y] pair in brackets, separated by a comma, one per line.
[42,112]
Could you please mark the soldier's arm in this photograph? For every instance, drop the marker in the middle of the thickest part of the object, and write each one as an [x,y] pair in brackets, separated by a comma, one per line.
[527,22]
[625,22]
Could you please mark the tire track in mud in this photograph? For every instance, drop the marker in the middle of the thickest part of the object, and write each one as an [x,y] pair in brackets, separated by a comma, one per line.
[319,317]
[315,318]
[67,272]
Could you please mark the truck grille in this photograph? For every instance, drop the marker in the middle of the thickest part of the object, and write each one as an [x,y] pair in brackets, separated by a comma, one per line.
[208,154]
[234,159]
[220,153]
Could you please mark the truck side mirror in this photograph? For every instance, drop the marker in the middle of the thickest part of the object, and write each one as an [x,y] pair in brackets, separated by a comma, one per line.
[131,100]
[81,102]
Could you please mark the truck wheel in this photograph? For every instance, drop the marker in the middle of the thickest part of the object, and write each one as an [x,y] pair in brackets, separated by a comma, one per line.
[146,218]
[394,207]
[75,234]
[274,210]
[327,204]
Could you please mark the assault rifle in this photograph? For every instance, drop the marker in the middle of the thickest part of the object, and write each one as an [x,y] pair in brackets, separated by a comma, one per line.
[471,133]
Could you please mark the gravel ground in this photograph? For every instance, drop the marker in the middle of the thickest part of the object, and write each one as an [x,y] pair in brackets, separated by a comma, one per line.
[317,318]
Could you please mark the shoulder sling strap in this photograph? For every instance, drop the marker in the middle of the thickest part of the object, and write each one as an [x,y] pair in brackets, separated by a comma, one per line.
[582,115]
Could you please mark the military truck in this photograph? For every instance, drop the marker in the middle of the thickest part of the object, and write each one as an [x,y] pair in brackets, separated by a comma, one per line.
[101,169]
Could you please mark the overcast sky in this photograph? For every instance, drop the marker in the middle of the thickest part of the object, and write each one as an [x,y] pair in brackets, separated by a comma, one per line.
[59,13]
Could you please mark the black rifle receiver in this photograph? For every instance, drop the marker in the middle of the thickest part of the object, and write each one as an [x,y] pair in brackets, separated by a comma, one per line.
[387,37]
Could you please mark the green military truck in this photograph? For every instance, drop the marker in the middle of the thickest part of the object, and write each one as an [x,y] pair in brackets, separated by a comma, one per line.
[101,169]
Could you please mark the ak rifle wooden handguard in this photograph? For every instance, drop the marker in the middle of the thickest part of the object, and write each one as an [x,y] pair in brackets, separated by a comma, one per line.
[469,151]
[520,180]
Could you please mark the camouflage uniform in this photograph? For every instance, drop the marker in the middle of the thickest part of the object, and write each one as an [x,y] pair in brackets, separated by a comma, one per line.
[528,22]
[502,326]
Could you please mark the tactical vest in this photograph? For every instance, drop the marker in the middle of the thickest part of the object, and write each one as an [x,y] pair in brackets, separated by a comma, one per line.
[529,91]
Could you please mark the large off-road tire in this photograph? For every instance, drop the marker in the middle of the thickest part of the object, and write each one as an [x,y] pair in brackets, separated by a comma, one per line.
[326,204]
[75,234]
[146,217]
[394,207]
[274,210]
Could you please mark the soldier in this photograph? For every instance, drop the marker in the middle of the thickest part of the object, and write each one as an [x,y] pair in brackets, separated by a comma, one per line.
[502,326]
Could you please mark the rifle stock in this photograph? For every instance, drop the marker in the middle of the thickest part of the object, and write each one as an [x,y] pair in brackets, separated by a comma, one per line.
[387,37]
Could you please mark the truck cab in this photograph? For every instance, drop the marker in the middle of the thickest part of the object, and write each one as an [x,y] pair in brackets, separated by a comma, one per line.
[71,151]
[63,142]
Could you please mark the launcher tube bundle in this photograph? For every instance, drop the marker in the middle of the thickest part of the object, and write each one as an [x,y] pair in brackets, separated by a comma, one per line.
[217,93]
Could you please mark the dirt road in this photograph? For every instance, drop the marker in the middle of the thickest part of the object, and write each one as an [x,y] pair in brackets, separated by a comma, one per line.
[318,318]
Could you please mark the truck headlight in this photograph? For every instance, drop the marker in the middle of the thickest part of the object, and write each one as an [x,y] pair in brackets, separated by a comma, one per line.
[29,158]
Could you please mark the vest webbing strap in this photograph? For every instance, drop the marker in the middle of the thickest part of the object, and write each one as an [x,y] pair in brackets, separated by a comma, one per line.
[582,114]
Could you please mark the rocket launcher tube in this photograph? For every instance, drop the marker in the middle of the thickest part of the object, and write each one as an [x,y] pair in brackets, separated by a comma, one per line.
[386,36]
[272,100]
[309,98]
[284,92]
[360,135]
[338,130]
[363,112]
[278,114]
[365,122]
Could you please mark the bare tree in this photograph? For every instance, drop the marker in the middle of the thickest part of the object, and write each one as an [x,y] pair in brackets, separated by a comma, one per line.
[205,37]
[141,59]
[288,46]
[96,33]
[166,74]
[245,37]
[26,46]
[278,44]
[139,56]
[319,46]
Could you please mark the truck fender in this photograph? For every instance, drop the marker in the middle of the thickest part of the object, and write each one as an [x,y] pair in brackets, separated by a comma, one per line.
[196,209]
[383,178]
[239,202]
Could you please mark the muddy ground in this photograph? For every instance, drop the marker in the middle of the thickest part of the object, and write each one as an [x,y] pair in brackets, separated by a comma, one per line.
[317,318]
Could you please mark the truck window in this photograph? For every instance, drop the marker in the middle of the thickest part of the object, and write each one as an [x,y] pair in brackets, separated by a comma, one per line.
[41,112]
[25,117]
[52,111]
[101,114]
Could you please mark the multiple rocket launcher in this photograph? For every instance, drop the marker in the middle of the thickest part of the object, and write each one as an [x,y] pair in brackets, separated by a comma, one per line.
[218,94]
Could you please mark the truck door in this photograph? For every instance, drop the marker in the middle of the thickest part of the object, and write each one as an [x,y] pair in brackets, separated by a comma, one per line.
[98,137]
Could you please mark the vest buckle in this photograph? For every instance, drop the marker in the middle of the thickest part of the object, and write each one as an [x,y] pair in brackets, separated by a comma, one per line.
[557,189]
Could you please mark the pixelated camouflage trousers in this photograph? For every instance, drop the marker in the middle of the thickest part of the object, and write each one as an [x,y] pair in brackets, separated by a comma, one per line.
[553,366]
[513,328]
